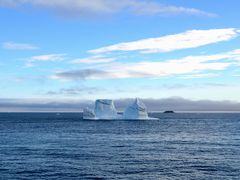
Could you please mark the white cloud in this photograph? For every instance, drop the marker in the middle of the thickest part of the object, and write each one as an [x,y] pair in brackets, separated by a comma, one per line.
[189,39]
[93,60]
[48,57]
[153,8]
[18,46]
[83,8]
[204,64]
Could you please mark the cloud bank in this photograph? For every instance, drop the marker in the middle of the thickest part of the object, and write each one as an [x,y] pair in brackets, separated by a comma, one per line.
[94,8]
[174,103]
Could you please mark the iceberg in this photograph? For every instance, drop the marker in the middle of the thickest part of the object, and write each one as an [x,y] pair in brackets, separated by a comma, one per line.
[88,114]
[105,109]
[137,110]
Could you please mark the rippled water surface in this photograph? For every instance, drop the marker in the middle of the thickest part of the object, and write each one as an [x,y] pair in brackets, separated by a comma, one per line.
[63,146]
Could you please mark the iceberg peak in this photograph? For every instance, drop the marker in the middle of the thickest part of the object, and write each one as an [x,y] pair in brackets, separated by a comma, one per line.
[88,113]
[105,109]
[137,110]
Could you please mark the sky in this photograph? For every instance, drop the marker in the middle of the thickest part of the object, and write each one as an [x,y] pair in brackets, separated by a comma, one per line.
[78,50]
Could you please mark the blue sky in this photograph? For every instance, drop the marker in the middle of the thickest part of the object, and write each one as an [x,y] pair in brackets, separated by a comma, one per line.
[78,49]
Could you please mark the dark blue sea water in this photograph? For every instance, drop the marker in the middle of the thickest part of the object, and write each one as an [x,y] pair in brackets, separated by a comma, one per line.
[63,146]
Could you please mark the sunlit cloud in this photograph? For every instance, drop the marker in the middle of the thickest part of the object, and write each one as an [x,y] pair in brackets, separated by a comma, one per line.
[185,40]
[49,57]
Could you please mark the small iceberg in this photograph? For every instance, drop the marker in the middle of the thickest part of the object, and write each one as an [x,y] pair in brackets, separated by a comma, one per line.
[105,109]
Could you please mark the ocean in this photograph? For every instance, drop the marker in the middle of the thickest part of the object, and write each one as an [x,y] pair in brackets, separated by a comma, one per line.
[64,146]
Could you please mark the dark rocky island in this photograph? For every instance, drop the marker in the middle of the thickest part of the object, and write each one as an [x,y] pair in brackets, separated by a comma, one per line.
[168,112]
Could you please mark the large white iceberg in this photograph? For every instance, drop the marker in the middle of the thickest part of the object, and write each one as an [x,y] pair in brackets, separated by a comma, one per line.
[105,109]
[137,110]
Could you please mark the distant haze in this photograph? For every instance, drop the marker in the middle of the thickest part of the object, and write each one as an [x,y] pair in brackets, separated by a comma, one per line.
[173,103]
